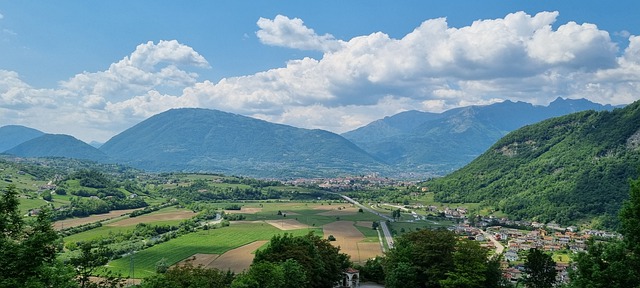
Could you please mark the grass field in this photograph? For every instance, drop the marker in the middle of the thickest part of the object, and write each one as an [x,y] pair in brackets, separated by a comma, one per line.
[164,216]
[214,241]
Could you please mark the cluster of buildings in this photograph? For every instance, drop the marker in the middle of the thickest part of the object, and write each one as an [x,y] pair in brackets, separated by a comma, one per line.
[349,183]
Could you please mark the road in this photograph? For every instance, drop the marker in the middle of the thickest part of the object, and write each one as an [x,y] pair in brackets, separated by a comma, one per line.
[387,234]
[354,202]
[383,224]
[499,246]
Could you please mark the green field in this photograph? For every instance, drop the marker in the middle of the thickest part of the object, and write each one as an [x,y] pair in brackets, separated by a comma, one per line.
[213,241]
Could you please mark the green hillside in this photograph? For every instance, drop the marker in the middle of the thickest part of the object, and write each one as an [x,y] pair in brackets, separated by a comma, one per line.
[57,145]
[566,169]
[438,144]
[214,141]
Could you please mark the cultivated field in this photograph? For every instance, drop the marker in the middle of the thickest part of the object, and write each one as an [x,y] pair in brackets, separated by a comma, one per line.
[212,241]
[351,241]
[237,260]
[67,223]
[155,217]
[287,224]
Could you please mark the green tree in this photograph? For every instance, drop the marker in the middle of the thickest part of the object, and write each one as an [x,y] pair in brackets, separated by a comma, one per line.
[88,261]
[613,264]
[322,262]
[28,249]
[287,274]
[187,276]
[470,266]
[428,252]
[540,269]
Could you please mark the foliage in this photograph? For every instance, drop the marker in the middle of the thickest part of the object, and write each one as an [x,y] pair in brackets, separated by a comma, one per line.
[372,270]
[436,258]
[540,269]
[564,169]
[28,250]
[188,276]
[617,263]
[287,274]
[322,263]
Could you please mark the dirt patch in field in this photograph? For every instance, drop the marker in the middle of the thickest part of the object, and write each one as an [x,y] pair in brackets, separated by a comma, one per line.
[287,224]
[348,237]
[341,212]
[237,260]
[165,216]
[244,210]
[68,223]
[199,260]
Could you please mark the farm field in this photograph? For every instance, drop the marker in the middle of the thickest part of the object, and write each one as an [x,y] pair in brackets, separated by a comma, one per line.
[165,216]
[212,241]
[237,260]
[93,218]
[351,241]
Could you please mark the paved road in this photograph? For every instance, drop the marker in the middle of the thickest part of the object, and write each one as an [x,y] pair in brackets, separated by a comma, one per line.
[383,224]
[499,246]
[387,234]
[366,208]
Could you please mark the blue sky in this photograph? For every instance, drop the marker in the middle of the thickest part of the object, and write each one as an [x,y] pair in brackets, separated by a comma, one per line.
[94,68]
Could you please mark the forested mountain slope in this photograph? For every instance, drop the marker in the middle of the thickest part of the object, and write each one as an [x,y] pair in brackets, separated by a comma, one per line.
[439,143]
[564,169]
[214,141]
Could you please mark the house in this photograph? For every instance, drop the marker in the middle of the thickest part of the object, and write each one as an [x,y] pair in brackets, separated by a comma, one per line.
[511,255]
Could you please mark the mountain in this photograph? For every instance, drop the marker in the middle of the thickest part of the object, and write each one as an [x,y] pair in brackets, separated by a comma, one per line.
[57,145]
[214,141]
[565,169]
[438,143]
[12,135]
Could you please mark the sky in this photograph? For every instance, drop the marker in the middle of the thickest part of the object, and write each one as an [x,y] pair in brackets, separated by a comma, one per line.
[92,69]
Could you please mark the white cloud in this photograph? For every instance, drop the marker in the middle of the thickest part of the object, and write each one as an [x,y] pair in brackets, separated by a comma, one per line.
[150,66]
[292,33]
[1,16]
[435,67]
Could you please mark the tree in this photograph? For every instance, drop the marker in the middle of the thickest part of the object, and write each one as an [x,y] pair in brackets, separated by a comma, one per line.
[436,258]
[322,262]
[187,276]
[89,260]
[470,266]
[540,269]
[287,274]
[428,252]
[28,249]
[613,264]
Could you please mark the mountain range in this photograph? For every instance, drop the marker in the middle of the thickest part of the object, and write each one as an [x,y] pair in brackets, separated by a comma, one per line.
[439,143]
[201,140]
[566,169]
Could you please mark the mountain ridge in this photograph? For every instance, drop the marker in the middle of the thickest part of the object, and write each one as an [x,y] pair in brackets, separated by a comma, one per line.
[446,141]
[566,169]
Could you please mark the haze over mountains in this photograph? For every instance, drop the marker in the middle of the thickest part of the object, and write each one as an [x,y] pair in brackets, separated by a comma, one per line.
[200,140]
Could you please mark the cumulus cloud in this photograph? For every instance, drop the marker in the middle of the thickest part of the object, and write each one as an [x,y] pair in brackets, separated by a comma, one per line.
[150,66]
[435,67]
[292,33]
